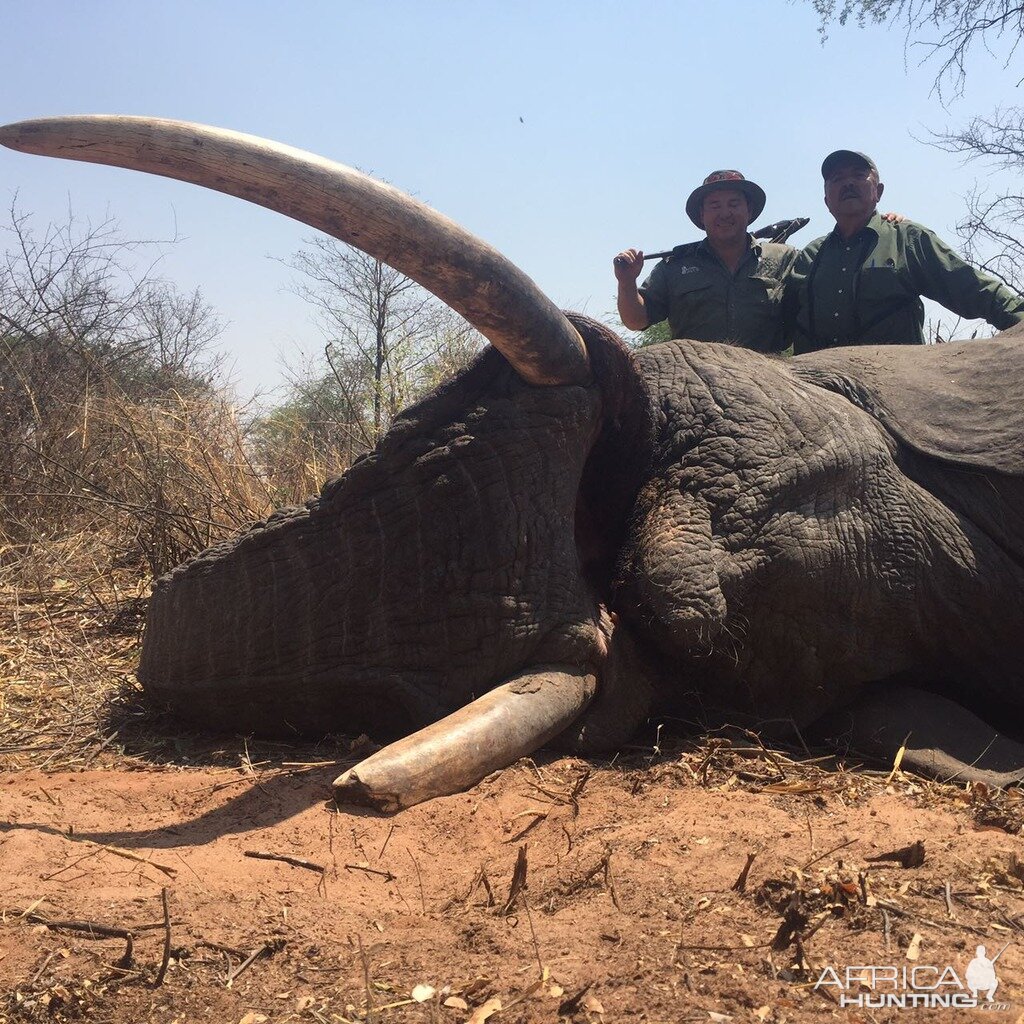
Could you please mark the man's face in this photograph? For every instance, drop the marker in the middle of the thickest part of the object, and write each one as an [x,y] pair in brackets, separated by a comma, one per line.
[852,190]
[726,214]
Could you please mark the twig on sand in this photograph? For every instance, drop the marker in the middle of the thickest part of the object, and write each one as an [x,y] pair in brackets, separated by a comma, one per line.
[93,931]
[391,832]
[533,933]
[386,875]
[822,856]
[127,854]
[423,898]
[220,947]
[751,735]
[159,980]
[609,881]
[90,928]
[740,885]
[518,881]
[703,946]
[297,862]
[46,963]
[366,980]
[577,791]
[268,947]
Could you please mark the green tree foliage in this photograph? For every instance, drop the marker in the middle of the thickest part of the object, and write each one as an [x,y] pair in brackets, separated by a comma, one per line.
[653,334]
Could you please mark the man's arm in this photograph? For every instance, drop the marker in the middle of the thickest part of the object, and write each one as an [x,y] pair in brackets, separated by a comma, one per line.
[795,295]
[786,308]
[632,310]
[940,274]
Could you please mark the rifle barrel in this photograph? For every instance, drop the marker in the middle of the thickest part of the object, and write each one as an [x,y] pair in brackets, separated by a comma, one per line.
[777,232]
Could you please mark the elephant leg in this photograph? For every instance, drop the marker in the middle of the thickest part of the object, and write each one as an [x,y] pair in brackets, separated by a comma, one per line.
[624,699]
[944,740]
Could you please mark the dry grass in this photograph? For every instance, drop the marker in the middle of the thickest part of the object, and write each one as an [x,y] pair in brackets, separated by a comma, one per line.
[122,483]
[98,498]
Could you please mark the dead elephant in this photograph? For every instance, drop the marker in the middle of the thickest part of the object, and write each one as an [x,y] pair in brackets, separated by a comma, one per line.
[569,537]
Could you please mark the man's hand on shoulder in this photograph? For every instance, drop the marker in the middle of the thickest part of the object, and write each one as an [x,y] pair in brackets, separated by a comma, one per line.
[628,265]
[893,218]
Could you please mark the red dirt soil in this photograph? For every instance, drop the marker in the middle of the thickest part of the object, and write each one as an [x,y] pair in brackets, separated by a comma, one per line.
[629,910]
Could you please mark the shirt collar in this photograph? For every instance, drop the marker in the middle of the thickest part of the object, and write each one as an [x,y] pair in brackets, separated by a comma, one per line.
[872,228]
[753,245]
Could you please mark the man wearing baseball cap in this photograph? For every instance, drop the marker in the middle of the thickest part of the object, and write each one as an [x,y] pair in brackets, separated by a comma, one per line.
[726,287]
[862,284]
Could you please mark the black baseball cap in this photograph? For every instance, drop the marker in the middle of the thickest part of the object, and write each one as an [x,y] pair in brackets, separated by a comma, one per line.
[845,156]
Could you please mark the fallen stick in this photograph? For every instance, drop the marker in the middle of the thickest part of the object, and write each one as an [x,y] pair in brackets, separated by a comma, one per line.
[46,963]
[386,875]
[101,931]
[740,885]
[159,980]
[609,881]
[128,854]
[297,862]
[220,947]
[267,947]
[93,931]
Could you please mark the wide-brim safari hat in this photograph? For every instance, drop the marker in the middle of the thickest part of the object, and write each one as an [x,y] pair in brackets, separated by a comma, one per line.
[725,179]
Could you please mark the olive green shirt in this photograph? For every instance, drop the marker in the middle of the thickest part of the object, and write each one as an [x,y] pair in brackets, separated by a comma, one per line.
[866,290]
[704,301]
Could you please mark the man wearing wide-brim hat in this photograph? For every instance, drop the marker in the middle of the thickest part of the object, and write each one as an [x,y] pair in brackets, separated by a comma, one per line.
[726,287]
[862,284]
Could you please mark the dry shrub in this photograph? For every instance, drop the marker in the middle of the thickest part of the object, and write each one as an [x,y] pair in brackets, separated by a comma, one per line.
[151,483]
[295,448]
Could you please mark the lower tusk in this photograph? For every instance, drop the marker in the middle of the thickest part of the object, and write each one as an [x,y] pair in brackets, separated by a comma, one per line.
[505,724]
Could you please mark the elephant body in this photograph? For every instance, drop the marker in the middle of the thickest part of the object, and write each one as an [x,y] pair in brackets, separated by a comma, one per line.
[766,534]
[576,536]
[795,542]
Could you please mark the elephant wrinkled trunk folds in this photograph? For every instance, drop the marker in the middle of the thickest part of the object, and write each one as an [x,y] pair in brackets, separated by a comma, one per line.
[568,535]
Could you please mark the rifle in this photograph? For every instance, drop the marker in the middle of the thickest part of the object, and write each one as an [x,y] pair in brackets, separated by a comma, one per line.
[777,232]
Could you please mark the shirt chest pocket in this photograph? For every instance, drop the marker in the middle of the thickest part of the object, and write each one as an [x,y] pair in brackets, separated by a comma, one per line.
[691,285]
[882,286]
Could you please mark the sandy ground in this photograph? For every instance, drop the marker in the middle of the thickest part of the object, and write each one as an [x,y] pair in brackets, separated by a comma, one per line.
[557,889]
[630,909]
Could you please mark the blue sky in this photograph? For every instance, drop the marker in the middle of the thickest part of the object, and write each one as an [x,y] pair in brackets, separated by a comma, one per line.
[558,132]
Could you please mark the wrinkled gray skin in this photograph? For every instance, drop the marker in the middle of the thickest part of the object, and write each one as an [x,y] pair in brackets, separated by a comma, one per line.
[775,539]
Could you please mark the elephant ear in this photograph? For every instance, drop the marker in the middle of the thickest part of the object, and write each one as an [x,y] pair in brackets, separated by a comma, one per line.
[961,402]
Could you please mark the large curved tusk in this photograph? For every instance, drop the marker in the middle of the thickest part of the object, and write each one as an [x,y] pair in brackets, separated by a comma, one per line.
[475,280]
[503,725]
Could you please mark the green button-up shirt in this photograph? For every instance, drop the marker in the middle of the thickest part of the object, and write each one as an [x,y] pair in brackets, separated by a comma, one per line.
[866,290]
[704,301]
